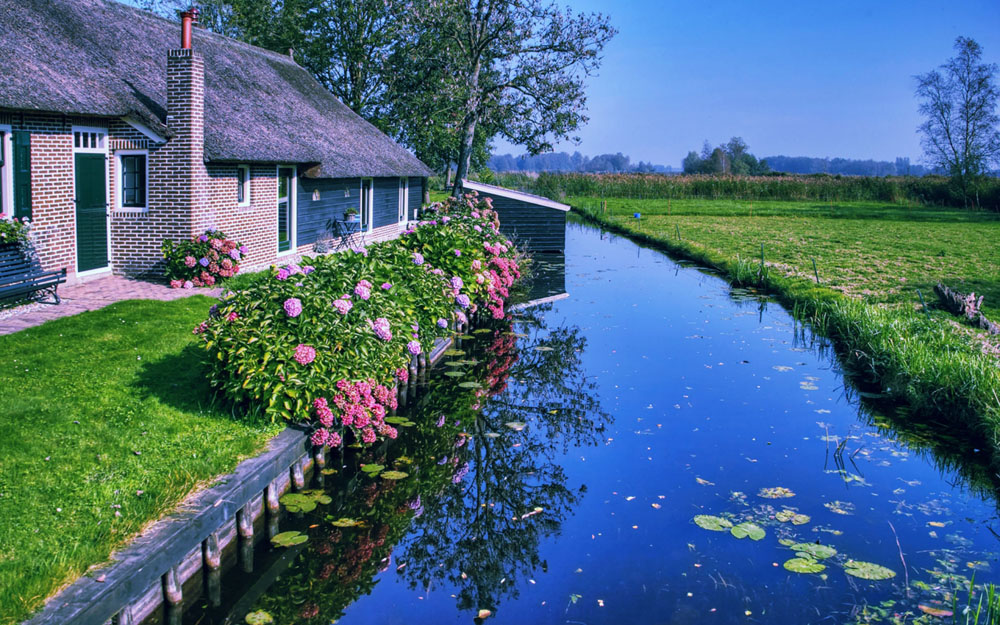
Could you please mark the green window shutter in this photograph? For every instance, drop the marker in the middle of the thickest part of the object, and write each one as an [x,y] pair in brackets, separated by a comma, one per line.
[22,173]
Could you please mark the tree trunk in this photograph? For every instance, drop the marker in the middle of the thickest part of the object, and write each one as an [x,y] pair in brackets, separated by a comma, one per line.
[447,174]
[468,131]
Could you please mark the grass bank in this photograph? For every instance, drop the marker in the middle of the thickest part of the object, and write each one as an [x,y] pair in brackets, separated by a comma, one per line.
[105,428]
[870,259]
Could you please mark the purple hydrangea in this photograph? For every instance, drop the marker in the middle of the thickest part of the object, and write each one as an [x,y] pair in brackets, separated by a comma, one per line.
[343,306]
[234,254]
[308,269]
[463,300]
[442,323]
[386,286]
[382,329]
[362,291]
[283,274]
[243,249]
[204,262]
[293,307]
[203,238]
[418,258]
[458,252]
[413,347]
[456,283]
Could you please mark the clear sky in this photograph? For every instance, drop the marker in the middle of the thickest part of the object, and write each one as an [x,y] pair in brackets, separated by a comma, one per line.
[799,78]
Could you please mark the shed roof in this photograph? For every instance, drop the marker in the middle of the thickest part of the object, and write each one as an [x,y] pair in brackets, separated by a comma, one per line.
[99,57]
[530,198]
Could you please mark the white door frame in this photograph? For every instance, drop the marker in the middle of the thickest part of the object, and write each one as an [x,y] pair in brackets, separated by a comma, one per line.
[293,205]
[7,173]
[107,193]
[370,199]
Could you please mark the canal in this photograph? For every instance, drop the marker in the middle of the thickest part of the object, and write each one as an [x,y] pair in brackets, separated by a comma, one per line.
[653,448]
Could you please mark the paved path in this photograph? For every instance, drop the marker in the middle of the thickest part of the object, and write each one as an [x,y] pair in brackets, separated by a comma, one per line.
[91,295]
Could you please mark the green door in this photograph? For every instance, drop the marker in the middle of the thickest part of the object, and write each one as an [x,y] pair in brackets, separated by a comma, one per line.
[91,212]
[286,221]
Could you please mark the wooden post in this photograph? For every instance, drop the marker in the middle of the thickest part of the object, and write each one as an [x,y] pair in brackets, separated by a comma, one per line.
[298,478]
[271,498]
[244,526]
[172,590]
[211,552]
[124,617]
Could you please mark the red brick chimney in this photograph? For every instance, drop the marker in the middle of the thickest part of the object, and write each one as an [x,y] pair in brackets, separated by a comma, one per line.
[184,154]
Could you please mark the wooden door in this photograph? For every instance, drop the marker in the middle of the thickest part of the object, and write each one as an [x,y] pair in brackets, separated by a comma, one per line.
[91,212]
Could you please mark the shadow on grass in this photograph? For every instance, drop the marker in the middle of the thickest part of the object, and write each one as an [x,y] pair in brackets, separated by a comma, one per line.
[180,380]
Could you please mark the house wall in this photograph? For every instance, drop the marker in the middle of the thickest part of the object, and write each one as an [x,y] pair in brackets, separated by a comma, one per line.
[416,196]
[542,229]
[385,208]
[333,196]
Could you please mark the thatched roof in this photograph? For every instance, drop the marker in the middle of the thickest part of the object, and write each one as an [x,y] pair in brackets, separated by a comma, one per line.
[99,57]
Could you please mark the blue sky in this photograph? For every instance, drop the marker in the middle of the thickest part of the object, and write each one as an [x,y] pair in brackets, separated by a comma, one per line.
[796,78]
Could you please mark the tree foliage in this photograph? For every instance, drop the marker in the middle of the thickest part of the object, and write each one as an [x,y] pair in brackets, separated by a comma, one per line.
[961,130]
[732,157]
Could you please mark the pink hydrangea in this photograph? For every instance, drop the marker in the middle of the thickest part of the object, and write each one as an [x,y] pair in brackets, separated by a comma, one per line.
[188,284]
[343,306]
[382,329]
[176,284]
[368,435]
[190,261]
[334,440]
[403,375]
[362,291]
[293,307]
[233,316]
[320,437]
[305,354]
[413,347]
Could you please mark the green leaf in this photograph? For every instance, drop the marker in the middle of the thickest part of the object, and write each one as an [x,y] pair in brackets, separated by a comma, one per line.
[804,565]
[345,522]
[751,530]
[868,570]
[394,475]
[454,374]
[817,552]
[372,468]
[713,523]
[395,420]
[288,539]
[260,617]
[297,502]
[470,385]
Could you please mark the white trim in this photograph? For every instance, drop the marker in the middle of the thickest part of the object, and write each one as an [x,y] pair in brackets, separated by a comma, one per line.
[94,272]
[371,202]
[403,209]
[292,203]
[144,129]
[514,195]
[120,187]
[107,199]
[246,187]
[7,172]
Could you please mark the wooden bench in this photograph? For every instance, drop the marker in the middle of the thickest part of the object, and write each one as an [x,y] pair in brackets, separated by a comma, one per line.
[22,278]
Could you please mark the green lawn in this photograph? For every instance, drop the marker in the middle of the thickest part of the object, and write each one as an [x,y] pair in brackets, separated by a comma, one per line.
[106,426]
[871,259]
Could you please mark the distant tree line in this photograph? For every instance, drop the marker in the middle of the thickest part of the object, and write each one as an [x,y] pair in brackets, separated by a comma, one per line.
[576,162]
[846,166]
[732,157]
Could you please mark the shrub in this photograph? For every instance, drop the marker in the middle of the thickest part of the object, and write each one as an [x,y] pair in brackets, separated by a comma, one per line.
[14,231]
[323,342]
[203,260]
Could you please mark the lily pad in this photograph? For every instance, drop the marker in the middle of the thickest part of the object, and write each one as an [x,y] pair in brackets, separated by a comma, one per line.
[318,496]
[840,507]
[868,570]
[814,551]
[517,426]
[542,348]
[288,539]
[297,502]
[775,492]
[395,420]
[455,363]
[748,530]
[455,374]
[345,522]
[713,523]
[470,384]
[481,331]
[804,565]
[372,468]
[407,424]
[454,352]
[260,617]
[792,516]
[394,475]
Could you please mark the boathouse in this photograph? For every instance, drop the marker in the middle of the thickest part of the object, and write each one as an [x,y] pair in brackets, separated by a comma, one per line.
[531,220]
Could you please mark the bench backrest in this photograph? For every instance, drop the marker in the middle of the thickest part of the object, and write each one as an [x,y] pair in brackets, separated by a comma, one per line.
[15,263]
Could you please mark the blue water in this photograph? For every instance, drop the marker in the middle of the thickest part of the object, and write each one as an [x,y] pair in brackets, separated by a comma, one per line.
[679,399]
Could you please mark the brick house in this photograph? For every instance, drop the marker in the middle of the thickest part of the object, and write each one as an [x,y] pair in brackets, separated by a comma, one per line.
[119,129]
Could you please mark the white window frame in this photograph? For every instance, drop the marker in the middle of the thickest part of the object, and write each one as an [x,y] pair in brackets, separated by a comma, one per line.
[245,169]
[404,200]
[7,172]
[120,187]
[371,202]
[293,205]
[103,134]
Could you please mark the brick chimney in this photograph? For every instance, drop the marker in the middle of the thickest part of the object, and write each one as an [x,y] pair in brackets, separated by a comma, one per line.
[185,152]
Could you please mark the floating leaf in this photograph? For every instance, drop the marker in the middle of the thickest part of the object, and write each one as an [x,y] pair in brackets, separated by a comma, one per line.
[517,426]
[297,502]
[470,385]
[775,492]
[713,523]
[751,530]
[288,539]
[484,613]
[345,522]
[840,507]
[466,337]
[318,496]
[542,348]
[804,565]
[481,331]
[328,471]
[372,468]
[260,617]
[394,475]
[407,424]
[454,352]
[814,551]
[455,374]
[704,482]
[455,363]
[787,515]
[868,570]
[394,420]
[491,435]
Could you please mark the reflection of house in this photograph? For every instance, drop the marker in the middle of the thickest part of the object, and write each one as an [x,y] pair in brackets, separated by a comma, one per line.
[531,220]
[114,137]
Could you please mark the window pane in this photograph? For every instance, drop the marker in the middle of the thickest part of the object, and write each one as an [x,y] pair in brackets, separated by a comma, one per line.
[134,181]
[241,185]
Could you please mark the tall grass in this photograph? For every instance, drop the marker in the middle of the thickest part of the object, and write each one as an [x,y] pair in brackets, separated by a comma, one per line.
[927,190]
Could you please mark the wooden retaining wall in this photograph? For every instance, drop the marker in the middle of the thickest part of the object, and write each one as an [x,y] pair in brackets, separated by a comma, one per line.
[182,557]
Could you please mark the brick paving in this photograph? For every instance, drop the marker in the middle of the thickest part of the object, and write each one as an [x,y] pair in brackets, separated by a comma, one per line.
[91,295]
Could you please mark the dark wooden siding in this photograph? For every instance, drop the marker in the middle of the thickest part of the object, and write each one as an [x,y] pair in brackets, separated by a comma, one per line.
[386,207]
[336,195]
[416,196]
[542,229]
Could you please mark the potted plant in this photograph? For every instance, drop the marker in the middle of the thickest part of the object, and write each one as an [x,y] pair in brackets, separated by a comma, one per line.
[351,214]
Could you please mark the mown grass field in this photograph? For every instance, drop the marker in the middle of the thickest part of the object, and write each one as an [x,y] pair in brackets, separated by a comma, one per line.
[871,259]
[105,428]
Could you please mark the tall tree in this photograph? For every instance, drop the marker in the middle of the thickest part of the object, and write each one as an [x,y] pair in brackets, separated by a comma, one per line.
[961,132]
[515,68]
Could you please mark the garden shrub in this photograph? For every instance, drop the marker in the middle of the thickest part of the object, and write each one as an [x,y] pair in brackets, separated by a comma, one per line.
[14,231]
[324,341]
[203,260]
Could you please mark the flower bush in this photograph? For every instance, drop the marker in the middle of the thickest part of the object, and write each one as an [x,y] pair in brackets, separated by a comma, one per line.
[319,342]
[14,231]
[203,260]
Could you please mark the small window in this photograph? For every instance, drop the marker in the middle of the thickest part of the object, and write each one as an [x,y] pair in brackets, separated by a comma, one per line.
[133,180]
[243,185]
